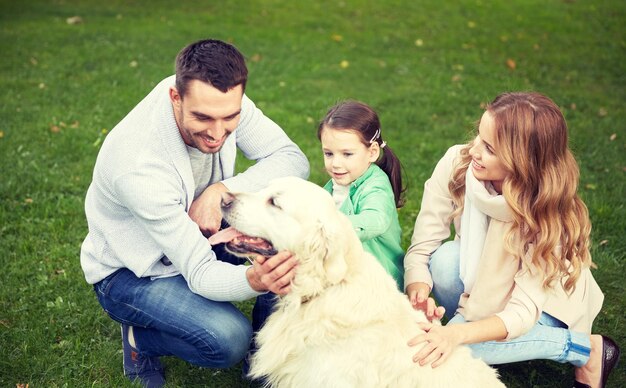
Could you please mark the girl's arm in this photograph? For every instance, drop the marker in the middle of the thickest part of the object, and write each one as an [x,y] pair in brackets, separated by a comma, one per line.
[376,210]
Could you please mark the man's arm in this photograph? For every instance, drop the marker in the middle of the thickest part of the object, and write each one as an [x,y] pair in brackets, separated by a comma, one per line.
[153,197]
[259,139]
[262,140]
[206,209]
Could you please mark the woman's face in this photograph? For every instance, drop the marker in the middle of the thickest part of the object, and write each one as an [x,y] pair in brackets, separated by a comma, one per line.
[486,165]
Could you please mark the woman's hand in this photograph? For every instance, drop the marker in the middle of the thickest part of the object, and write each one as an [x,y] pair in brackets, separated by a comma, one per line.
[418,296]
[438,343]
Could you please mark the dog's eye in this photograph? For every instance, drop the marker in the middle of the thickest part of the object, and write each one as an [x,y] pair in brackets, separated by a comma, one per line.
[272,201]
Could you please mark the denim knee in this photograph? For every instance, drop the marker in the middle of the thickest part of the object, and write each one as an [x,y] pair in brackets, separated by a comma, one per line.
[225,346]
[444,266]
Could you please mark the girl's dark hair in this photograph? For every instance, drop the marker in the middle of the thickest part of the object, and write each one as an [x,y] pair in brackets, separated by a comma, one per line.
[359,117]
[212,61]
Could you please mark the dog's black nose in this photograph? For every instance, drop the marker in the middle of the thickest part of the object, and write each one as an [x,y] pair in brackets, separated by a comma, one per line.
[227,199]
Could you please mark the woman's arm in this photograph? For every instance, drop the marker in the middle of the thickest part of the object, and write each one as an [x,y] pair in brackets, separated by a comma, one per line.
[439,341]
[432,225]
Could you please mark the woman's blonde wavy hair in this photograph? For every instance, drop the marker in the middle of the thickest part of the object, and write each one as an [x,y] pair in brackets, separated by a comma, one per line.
[540,187]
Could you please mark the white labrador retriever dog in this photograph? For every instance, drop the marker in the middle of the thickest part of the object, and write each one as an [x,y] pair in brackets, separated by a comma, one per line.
[344,324]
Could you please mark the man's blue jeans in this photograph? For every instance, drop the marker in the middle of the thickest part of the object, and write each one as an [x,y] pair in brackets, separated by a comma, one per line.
[169,319]
[549,339]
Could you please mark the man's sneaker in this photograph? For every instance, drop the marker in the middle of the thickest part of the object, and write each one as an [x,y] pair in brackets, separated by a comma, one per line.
[147,370]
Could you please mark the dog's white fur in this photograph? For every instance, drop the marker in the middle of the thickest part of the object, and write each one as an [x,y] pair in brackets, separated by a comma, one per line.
[344,323]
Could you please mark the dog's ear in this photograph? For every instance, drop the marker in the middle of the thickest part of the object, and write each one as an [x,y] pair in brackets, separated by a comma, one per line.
[328,247]
[335,259]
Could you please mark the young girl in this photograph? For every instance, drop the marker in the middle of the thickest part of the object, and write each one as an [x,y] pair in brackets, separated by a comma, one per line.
[516,282]
[366,186]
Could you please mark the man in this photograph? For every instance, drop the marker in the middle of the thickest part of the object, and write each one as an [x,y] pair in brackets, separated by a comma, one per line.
[154,200]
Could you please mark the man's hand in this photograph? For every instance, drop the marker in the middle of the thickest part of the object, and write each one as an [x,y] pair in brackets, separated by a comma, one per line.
[273,273]
[418,296]
[438,343]
[206,210]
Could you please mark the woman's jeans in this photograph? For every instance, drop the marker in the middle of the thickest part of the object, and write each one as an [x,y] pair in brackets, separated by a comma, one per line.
[549,339]
[169,319]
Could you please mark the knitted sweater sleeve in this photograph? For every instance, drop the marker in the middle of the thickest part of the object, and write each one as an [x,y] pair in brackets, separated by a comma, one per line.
[262,140]
[152,197]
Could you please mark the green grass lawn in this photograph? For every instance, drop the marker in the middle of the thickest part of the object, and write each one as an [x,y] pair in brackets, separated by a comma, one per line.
[425,66]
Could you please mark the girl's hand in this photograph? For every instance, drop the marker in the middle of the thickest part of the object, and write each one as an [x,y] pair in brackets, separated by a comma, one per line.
[418,296]
[439,342]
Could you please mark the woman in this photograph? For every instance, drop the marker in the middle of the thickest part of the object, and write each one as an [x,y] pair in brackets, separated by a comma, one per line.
[516,281]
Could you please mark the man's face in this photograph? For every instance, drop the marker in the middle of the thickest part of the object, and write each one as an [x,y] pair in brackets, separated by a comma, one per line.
[205,116]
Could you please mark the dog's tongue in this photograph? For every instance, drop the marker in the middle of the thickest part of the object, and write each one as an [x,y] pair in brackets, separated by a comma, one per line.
[224,236]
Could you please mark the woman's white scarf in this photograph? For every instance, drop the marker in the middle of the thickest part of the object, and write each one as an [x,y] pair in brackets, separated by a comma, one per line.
[482,205]
[490,273]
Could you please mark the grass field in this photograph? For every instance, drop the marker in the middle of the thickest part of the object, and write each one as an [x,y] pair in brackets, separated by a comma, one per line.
[425,66]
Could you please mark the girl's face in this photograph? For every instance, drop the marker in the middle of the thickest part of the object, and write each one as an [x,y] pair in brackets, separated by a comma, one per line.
[346,158]
[485,165]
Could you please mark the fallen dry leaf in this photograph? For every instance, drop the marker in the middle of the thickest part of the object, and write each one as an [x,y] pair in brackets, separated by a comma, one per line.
[602,112]
[55,128]
[456,78]
[74,20]
[471,24]
[419,43]
[336,37]
[590,186]
[255,58]
[344,64]
[613,137]
[604,242]
[133,64]
[510,63]
[28,200]
[42,85]
[74,124]
[573,106]
[1,134]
